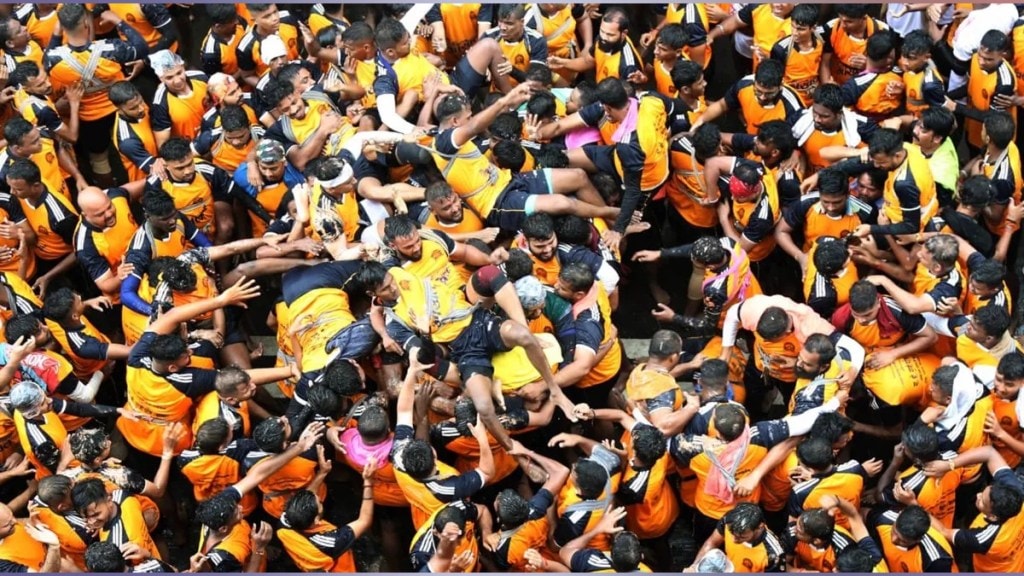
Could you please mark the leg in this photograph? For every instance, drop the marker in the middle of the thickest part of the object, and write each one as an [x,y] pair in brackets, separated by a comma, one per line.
[574,181]
[558,204]
[478,388]
[236,354]
[486,55]
[579,159]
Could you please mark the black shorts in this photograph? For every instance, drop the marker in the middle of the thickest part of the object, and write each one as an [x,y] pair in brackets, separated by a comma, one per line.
[676,231]
[603,158]
[95,134]
[472,350]
[466,78]
[511,207]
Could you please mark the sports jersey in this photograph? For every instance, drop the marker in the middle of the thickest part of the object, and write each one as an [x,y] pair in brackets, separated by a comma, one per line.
[981,88]
[843,47]
[650,500]
[135,143]
[686,190]
[248,51]
[220,55]
[53,219]
[869,93]
[801,73]
[70,64]
[808,219]
[995,546]
[932,554]
[182,115]
[740,96]
[845,481]
[558,28]
[767,27]
[318,306]
[619,64]
[322,547]
[195,199]
[100,251]
[532,534]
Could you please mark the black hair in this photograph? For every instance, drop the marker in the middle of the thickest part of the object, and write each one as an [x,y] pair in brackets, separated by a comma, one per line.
[540,73]
[21,74]
[994,40]
[269,435]
[852,10]
[323,401]
[58,304]
[921,442]
[25,170]
[830,96]
[233,117]
[618,17]
[714,374]
[343,378]
[779,134]
[685,73]
[999,126]
[418,459]
[577,276]
[708,250]
[831,426]
[591,478]
[773,324]
[730,421]
[863,296]
[156,202]
[71,16]
[509,155]
[833,182]
[854,560]
[815,453]
[373,425]
[88,444]
[885,141]
[915,43]
[389,33]
[706,140]
[358,31]
[821,346]
[994,320]
[301,510]
[818,523]
[506,126]
[572,229]
[649,443]
[977,191]
[211,435]
[276,91]
[664,343]
[88,492]
[399,226]
[1011,366]
[542,105]
[938,120]
[626,552]
[122,92]
[769,74]
[513,510]
[222,13]
[945,378]
[16,129]
[830,257]
[744,518]
[519,265]
[913,523]
[1006,501]
[104,558]
[989,273]
[612,92]
[168,347]
[880,45]
[538,226]
[21,326]
[804,14]
[673,36]
[217,512]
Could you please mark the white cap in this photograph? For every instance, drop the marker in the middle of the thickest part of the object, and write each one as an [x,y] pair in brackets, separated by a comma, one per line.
[272,47]
[164,61]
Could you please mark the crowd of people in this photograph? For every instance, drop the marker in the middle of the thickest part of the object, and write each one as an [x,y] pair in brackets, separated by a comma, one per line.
[436,211]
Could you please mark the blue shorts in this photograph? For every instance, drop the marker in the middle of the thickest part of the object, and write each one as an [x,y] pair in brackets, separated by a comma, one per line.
[519,199]
[467,79]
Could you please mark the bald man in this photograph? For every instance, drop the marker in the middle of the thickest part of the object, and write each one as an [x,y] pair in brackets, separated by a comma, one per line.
[28,547]
[104,231]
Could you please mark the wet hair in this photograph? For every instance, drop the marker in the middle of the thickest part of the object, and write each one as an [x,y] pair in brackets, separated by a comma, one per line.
[714,374]
[217,512]
[818,523]
[626,552]
[158,203]
[618,17]
[399,226]
[230,379]
[863,296]
[179,276]
[830,257]
[24,71]
[439,190]
[773,323]
[542,105]
[945,377]
[649,444]
[708,250]
[832,182]
[821,346]
[343,378]
[418,459]
[233,117]
[778,134]
[664,343]
[730,421]
[450,514]
[373,425]
[572,229]
[276,91]
[58,304]
[744,518]
[269,435]
[513,510]
[211,435]
[854,560]
[88,444]
[301,510]
[506,126]
[167,347]
[538,72]
[54,489]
